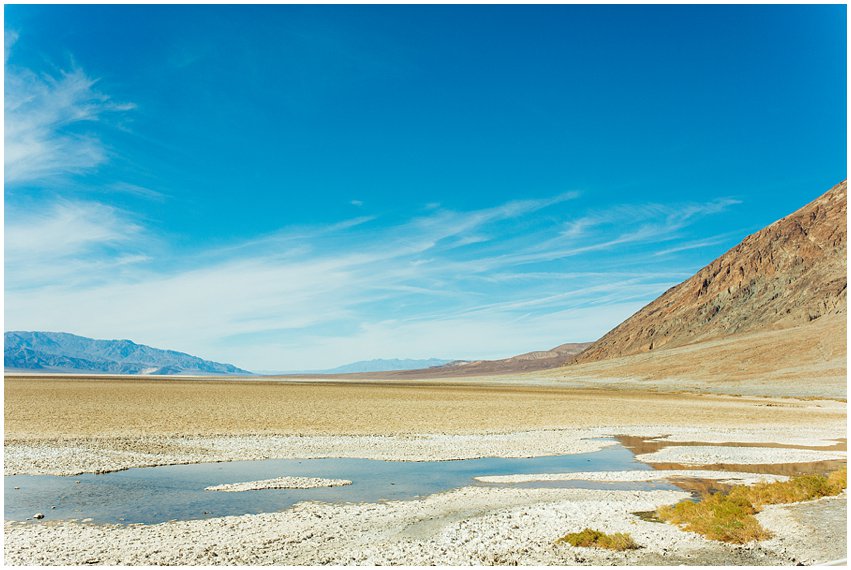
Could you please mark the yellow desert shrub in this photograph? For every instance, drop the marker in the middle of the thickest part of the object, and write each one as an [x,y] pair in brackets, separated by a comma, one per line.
[839,479]
[595,538]
[729,517]
[795,490]
[717,517]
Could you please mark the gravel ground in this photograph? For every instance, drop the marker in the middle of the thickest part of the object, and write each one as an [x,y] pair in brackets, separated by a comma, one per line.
[823,522]
[468,526]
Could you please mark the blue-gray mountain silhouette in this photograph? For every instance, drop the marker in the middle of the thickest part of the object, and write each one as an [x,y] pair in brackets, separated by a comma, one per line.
[64,352]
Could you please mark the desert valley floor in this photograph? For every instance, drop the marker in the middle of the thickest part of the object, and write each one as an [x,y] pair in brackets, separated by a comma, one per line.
[108,424]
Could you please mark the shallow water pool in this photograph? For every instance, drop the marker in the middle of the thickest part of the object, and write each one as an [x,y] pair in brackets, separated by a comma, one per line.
[176,492]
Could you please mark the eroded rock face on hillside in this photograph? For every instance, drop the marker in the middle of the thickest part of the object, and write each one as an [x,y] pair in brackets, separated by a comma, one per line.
[790,273]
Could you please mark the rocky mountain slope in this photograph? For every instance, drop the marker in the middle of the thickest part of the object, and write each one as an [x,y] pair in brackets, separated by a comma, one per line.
[63,352]
[790,273]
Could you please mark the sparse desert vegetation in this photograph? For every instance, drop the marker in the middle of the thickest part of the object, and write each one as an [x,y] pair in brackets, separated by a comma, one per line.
[598,539]
[729,516]
[717,517]
[795,490]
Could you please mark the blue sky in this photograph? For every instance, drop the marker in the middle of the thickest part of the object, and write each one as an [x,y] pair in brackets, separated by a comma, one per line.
[292,187]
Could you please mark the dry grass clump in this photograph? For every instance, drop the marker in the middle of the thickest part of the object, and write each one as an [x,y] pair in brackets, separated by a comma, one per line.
[795,490]
[717,517]
[839,478]
[729,517]
[595,538]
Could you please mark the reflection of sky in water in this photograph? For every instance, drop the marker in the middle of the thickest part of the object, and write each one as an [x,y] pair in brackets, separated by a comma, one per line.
[158,494]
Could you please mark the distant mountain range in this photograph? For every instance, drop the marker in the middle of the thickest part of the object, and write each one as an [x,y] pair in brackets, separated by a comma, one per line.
[528,362]
[376,365]
[64,352]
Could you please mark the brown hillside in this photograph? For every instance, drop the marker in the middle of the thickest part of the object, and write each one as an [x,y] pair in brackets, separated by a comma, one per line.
[803,361]
[790,273]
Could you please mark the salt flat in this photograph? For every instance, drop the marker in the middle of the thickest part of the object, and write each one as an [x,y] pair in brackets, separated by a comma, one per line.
[64,426]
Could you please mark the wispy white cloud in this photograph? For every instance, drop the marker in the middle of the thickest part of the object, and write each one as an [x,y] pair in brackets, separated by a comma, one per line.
[137,190]
[698,244]
[614,227]
[66,229]
[487,283]
[592,293]
[490,337]
[45,118]
[9,39]
[440,284]
[571,275]
[66,241]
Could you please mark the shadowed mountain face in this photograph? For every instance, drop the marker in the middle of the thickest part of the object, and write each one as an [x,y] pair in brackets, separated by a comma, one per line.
[791,273]
[63,352]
